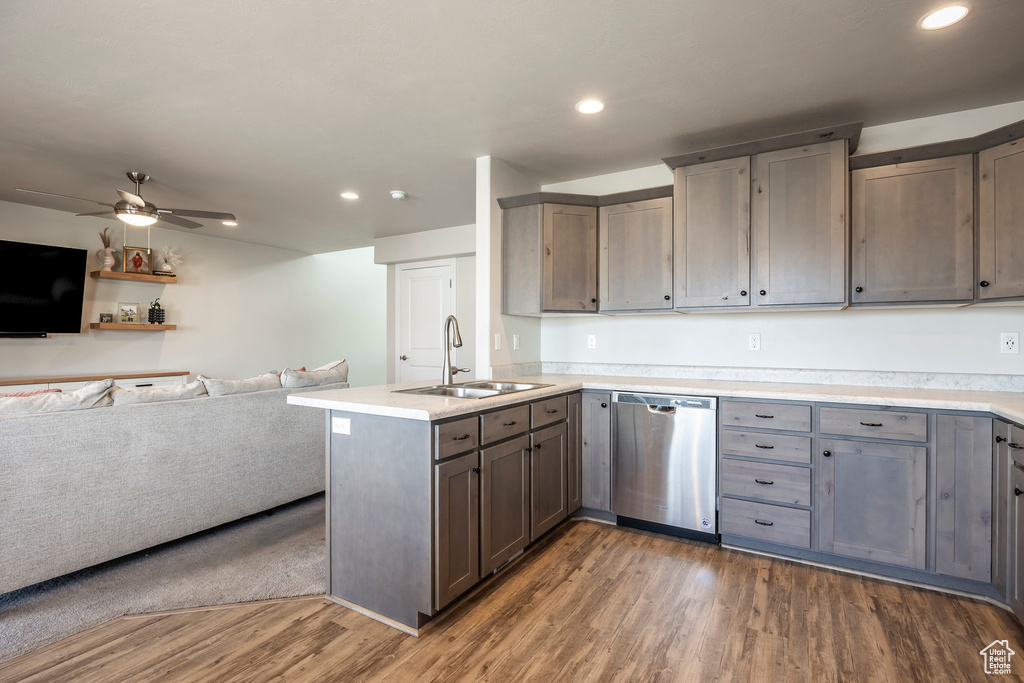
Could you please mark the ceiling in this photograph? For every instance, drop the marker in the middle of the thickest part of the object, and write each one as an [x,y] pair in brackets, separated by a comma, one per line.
[269,109]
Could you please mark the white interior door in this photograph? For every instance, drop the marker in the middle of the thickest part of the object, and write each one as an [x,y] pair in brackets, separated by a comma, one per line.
[426,297]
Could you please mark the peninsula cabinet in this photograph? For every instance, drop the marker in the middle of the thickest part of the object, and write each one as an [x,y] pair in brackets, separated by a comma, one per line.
[800,225]
[549,259]
[635,256]
[712,234]
[1001,222]
[505,496]
[597,452]
[913,232]
[456,527]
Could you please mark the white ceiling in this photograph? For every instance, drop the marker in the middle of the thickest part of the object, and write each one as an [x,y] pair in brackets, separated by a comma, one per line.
[269,109]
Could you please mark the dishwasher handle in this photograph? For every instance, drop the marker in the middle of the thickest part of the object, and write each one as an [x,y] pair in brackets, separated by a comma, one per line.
[661,409]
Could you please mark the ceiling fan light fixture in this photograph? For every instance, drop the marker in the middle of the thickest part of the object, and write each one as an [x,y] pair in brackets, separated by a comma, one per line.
[230,224]
[140,218]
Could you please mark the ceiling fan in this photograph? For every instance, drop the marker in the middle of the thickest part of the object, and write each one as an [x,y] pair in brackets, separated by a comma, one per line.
[134,210]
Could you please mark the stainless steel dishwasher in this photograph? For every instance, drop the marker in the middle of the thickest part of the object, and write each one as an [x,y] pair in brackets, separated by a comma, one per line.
[664,464]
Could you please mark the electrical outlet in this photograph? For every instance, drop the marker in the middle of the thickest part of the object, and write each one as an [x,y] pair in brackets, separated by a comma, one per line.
[515,342]
[497,341]
[754,341]
[591,341]
[1009,342]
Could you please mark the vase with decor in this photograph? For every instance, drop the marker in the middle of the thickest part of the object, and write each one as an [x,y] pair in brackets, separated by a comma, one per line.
[106,254]
[156,312]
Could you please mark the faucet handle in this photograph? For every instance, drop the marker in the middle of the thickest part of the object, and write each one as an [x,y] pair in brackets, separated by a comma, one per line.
[458,370]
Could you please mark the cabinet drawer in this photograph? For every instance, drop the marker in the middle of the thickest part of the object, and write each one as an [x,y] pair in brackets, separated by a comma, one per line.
[880,424]
[549,411]
[787,526]
[769,446]
[776,483]
[504,423]
[452,438]
[785,416]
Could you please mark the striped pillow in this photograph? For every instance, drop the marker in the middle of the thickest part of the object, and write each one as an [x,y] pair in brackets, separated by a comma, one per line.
[14,394]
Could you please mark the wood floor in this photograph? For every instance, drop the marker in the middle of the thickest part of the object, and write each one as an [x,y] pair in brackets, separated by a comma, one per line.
[592,603]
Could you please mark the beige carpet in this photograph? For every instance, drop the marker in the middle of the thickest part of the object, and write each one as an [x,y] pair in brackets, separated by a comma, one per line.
[270,555]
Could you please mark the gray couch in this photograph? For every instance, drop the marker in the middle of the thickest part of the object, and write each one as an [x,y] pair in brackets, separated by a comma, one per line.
[83,487]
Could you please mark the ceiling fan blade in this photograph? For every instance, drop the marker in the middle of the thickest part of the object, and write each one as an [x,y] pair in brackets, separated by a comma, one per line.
[98,213]
[182,222]
[65,196]
[200,214]
[132,199]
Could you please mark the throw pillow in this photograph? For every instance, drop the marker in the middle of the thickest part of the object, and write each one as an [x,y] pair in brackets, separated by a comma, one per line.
[30,393]
[122,396]
[224,387]
[92,395]
[327,374]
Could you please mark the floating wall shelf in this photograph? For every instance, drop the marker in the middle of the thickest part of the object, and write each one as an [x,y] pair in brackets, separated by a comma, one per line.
[136,277]
[135,327]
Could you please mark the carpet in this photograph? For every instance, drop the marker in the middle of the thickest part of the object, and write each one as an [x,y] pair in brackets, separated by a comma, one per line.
[275,554]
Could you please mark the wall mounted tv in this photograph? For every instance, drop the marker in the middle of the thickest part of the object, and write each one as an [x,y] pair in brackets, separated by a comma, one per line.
[42,289]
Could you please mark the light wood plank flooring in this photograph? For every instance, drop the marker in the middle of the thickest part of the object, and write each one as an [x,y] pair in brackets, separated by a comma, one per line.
[591,603]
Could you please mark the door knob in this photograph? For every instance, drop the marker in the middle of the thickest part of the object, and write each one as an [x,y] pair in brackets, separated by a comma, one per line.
[404,357]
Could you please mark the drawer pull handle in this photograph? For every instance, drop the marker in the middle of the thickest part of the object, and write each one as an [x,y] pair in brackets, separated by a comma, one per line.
[763,523]
[508,424]
[460,438]
[765,483]
[871,424]
[144,385]
[765,417]
[767,448]
[1015,446]
[551,412]
[1017,491]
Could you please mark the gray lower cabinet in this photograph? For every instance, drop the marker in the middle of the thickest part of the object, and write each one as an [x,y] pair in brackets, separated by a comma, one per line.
[456,527]
[635,256]
[1001,221]
[504,502]
[597,451]
[1015,592]
[963,498]
[712,234]
[574,460]
[1001,464]
[913,231]
[871,501]
[800,225]
[548,502]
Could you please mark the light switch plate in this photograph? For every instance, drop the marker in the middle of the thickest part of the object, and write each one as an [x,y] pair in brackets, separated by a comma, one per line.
[341,425]
[497,341]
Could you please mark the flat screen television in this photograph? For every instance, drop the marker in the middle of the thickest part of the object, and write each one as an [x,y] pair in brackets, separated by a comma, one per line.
[42,289]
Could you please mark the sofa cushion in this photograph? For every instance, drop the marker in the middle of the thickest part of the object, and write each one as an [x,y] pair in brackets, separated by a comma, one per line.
[122,396]
[224,387]
[327,374]
[29,393]
[92,395]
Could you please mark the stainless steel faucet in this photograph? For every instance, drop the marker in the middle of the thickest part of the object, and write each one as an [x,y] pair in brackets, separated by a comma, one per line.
[448,372]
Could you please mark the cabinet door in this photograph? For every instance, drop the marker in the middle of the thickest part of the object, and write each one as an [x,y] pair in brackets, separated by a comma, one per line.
[597,451]
[963,502]
[871,501]
[570,258]
[800,225]
[712,234]
[1016,578]
[1001,537]
[913,231]
[456,528]
[504,502]
[1001,221]
[575,458]
[549,505]
[635,263]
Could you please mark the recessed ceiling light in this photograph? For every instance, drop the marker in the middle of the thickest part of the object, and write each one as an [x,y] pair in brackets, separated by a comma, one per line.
[944,16]
[349,195]
[589,106]
[230,224]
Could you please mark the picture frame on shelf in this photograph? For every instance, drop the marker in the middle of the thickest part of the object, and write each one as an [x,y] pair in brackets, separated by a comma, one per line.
[127,312]
[137,260]
[106,317]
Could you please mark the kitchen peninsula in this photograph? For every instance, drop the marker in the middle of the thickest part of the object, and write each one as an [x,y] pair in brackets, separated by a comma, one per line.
[429,495]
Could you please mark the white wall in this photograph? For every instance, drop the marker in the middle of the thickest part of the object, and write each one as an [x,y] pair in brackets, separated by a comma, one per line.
[241,309]
[949,340]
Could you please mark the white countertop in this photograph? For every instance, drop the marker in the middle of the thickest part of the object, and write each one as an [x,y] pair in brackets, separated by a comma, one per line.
[381,400]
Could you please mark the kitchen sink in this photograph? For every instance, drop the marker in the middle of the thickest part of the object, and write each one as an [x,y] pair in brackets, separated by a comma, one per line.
[481,389]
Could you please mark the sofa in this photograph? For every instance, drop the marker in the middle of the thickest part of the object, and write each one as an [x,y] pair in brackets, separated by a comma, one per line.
[81,487]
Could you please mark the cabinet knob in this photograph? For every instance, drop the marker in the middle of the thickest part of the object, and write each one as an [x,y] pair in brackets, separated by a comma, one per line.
[537,446]
[593,301]
[763,292]
[827,454]
[604,405]
[668,298]
[1017,491]
[743,293]
[983,283]
[476,470]
[1000,439]
[858,289]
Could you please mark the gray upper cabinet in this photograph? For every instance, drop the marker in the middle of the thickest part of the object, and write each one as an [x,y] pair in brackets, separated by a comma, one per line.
[712,234]
[800,225]
[456,528]
[549,259]
[597,451]
[871,501]
[504,502]
[635,256]
[1001,221]
[913,232]
[963,501]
